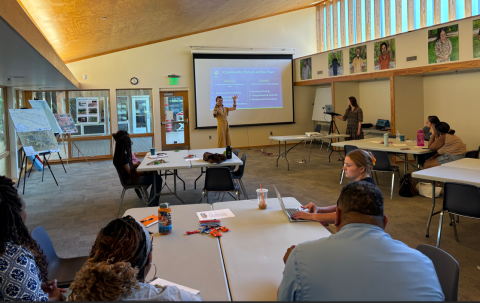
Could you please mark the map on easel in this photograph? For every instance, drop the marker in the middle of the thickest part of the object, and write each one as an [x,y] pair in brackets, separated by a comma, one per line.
[28,120]
[66,123]
[42,105]
[39,142]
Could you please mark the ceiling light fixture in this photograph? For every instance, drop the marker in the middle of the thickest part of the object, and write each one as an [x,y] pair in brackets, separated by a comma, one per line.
[104,18]
[9,81]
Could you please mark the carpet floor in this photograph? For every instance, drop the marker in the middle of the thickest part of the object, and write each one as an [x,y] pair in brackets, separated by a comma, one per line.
[88,197]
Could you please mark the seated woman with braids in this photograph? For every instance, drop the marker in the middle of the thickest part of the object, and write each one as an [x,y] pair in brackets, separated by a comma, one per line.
[119,262]
[123,161]
[23,265]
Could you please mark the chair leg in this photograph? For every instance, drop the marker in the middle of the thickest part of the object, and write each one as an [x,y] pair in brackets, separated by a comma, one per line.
[376,177]
[243,188]
[452,218]
[341,176]
[236,194]
[440,229]
[458,219]
[223,196]
[121,201]
[455,228]
[144,194]
[393,182]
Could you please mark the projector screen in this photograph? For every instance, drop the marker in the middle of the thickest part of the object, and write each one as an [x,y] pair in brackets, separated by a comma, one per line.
[263,83]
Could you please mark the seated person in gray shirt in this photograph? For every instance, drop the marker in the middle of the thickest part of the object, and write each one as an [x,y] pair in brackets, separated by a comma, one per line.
[361,262]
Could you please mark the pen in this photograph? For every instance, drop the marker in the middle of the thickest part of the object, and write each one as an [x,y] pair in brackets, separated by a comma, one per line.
[146,220]
[158,285]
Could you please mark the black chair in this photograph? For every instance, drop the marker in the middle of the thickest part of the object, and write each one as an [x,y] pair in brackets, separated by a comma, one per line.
[126,186]
[219,179]
[347,148]
[447,269]
[235,151]
[64,270]
[238,174]
[473,154]
[382,165]
[460,200]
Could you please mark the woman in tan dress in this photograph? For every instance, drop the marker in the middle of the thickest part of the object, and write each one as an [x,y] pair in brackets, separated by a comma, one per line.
[221,113]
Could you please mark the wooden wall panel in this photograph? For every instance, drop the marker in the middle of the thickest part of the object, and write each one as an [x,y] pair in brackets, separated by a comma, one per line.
[335,23]
[388,18]
[329,25]
[410,15]
[423,13]
[468,8]
[392,103]
[376,20]
[342,23]
[398,16]
[359,21]
[452,9]
[368,20]
[351,34]
[437,11]
[321,27]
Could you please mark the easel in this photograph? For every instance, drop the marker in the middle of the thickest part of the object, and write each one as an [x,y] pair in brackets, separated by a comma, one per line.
[24,160]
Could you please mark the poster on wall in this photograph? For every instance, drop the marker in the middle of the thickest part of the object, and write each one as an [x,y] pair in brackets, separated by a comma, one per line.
[476,38]
[443,44]
[335,64]
[306,68]
[88,110]
[384,53]
[358,59]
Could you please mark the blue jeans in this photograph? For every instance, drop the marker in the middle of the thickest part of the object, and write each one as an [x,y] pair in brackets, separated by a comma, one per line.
[445,158]
[148,180]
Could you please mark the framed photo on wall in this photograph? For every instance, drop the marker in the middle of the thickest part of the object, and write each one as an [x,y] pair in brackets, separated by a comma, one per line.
[384,52]
[476,38]
[443,44]
[335,64]
[306,68]
[358,59]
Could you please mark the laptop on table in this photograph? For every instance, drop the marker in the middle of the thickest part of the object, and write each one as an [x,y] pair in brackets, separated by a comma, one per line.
[289,211]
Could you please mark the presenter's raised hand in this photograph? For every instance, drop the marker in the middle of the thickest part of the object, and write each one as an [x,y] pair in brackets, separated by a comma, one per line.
[235,97]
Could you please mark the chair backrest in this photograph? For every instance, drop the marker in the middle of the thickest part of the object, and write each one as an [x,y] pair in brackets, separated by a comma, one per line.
[40,235]
[472,154]
[318,128]
[241,168]
[124,184]
[446,267]
[218,179]
[462,199]
[236,151]
[349,148]
[383,161]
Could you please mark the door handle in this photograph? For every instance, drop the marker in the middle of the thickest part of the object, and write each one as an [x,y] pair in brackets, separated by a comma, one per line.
[187,121]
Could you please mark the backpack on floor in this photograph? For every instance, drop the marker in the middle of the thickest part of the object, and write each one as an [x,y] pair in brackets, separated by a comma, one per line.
[407,188]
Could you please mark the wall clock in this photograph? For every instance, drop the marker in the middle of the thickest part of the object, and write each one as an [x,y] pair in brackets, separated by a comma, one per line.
[134,81]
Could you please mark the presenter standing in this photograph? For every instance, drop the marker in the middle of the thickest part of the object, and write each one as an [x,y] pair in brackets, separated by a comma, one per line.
[354,117]
[221,113]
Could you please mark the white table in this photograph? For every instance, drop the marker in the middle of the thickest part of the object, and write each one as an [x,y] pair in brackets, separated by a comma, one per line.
[190,260]
[397,147]
[301,139]
[254,247]
[455,171]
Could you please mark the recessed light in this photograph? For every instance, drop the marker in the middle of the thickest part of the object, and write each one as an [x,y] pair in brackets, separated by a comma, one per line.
[101,47]
[104,18]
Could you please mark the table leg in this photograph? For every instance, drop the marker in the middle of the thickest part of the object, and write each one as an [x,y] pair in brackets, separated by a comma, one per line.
[175,185]
[288,164]
[279,145]
[433,208]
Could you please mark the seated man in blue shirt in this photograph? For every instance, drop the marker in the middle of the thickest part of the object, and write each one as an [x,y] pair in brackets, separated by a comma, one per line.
[361,262]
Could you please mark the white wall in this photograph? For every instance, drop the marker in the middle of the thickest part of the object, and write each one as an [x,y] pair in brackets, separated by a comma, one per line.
[409,116]
[454,99]
[152,63]
[375,100]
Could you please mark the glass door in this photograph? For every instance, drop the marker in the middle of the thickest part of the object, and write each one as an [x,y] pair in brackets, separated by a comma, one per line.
[122,113]
[174,113]
[141,113]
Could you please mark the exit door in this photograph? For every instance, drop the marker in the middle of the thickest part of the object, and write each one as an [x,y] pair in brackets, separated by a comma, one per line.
[174,113]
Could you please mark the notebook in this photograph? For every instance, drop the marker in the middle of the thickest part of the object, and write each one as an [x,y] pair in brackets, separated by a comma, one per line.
[149,221]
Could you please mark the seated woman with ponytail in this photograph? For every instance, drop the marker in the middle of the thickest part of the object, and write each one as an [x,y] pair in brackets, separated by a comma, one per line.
[357,167]
[449,147]
[125,164]
[23,265]
[119,262]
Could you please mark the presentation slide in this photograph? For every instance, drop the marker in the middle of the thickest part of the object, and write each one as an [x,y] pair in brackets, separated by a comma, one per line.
[263,84]
[256,87]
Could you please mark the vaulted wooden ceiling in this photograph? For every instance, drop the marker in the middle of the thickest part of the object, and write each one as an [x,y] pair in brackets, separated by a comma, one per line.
[76,30]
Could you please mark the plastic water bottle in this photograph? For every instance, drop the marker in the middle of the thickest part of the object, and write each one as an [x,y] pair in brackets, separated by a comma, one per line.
[385,139]
[420,138]
[398,135]
[164,219]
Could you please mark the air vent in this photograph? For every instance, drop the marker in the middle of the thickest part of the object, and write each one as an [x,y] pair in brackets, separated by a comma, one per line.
[412,58]
[319,72]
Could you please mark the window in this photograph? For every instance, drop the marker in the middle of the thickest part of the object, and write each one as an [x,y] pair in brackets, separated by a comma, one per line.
[3,135]
[56,100]
[90,111]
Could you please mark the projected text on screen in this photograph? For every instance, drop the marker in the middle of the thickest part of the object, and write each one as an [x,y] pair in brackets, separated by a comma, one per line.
[256,87]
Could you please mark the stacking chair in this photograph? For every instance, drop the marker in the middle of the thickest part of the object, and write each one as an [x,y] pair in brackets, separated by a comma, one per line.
[238,174]
[460,200]
[127,186]
[347,148]
[473,154]
[64,270]
[219,179]
[383,166]
[235,151]
[447,269]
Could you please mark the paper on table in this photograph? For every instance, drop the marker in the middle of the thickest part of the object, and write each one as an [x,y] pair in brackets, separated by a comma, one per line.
[157,156]
[163,282]
[191,159]
[29,151]
[399,144]
[375,141]
[215,214]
